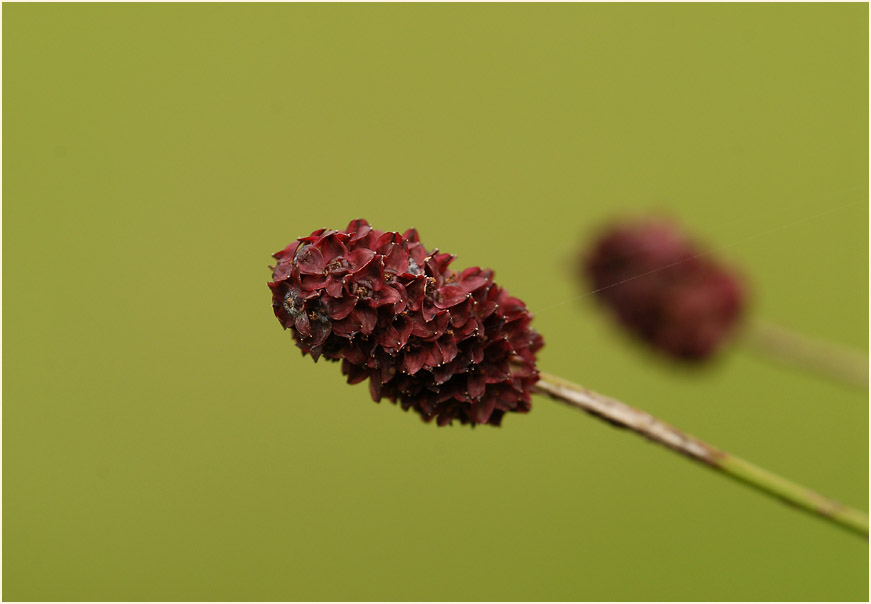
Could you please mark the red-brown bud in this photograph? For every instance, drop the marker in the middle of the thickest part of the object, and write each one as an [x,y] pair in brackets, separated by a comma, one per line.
[664,289]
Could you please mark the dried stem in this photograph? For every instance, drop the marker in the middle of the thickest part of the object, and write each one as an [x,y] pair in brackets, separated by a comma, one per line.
[648,426]
[834,361]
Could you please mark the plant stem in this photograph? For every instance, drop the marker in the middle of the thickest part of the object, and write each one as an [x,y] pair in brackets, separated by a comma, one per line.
[658,431]
[834,361]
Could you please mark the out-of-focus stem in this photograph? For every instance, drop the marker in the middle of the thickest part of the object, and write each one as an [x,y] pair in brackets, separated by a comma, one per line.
[783,344]
[643,423]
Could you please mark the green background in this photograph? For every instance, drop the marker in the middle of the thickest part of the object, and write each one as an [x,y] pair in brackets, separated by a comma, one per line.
[164,439]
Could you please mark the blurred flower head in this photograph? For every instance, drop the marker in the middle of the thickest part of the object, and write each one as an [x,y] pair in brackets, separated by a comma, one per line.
[663,288]
[449,345]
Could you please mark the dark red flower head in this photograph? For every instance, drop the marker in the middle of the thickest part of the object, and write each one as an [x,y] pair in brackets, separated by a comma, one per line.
[448,345]
[664,289]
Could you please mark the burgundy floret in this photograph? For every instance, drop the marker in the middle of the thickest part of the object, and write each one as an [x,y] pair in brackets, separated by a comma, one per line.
[449,345]
[664,289]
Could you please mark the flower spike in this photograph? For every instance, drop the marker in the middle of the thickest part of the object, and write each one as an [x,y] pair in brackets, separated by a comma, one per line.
[449,345]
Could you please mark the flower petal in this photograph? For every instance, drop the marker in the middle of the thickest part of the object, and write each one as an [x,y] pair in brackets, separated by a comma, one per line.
[370,276]
[283,270]
[302,325]
[396,260]
[358,229]
[386,295]
[331,246]
[475,385]
[484,409]
[450,295]
[367,318]
[413,360]
[334,286]
[287,253]
[359,258]
[311,261]
[339,308]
